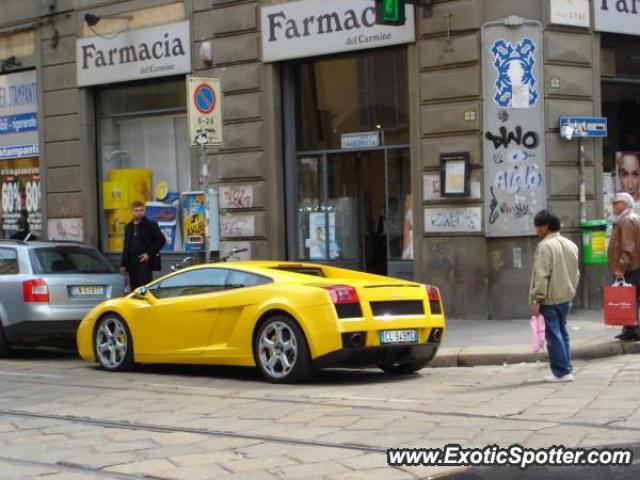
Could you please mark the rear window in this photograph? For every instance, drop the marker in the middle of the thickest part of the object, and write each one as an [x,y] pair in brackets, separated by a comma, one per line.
[8,261]
[314,272]
[61,260]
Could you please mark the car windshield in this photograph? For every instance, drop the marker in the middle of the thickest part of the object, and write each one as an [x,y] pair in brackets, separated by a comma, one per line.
[61,260]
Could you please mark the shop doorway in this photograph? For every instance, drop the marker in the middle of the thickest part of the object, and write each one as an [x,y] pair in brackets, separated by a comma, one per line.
[620,102]
[347,164]
[354,210]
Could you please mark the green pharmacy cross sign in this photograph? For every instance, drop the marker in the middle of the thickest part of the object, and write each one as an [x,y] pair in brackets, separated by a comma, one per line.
[390,12]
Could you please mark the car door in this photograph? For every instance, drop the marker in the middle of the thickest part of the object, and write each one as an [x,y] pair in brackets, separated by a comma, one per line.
[241,294]
[180,314]
[11,303]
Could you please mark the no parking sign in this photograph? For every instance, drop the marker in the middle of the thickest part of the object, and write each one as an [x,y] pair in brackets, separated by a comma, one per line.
[204,105]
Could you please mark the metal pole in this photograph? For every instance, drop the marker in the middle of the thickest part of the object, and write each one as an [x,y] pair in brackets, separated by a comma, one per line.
[583,218]
[583,188]
[212,241]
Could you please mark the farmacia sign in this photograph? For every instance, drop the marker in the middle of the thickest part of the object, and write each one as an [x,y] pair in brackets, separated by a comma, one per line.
[310,28]
[135,54]
[617,16]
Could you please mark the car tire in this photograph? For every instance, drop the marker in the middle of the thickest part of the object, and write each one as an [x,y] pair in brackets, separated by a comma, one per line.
[5,348]
[281,351]
[112,343]
[405,368]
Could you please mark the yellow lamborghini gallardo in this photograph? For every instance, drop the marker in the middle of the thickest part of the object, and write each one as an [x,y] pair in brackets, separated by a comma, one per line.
[288,319]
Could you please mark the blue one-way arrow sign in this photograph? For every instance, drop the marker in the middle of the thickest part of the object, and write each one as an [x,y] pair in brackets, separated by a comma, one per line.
[585,127]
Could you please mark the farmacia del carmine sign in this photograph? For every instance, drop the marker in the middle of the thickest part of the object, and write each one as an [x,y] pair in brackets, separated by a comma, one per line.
[617,16]
[134,54]
[309,28]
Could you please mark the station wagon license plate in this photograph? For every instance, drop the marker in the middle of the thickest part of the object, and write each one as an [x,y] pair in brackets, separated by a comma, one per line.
[398,336]
[84,291]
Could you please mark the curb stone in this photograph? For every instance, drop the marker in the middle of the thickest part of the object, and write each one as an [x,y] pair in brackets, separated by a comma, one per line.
[512,354]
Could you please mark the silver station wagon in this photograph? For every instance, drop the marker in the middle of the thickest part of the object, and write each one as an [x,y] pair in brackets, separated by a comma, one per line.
[46,288]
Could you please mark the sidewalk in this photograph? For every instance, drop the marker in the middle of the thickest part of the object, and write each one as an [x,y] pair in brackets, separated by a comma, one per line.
[470,343]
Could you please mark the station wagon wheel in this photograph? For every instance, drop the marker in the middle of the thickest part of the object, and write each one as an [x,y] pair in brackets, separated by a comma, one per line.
[113,345]
[4,344]
[281,352]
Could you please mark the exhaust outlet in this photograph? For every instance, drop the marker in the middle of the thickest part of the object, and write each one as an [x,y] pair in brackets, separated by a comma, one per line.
[356,340]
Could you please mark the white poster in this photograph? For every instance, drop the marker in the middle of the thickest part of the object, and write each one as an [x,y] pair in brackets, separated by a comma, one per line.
[575,13]
[134,54]
[65,229]
[308,28]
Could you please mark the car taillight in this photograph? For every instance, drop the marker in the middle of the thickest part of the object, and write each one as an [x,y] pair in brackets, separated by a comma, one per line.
[341,294]
[433,293]
[35,291]
[434,299]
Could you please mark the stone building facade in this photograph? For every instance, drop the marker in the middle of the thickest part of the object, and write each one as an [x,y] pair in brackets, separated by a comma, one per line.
[299,171]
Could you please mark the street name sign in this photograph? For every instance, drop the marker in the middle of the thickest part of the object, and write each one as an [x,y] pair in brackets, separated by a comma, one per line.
[584,127]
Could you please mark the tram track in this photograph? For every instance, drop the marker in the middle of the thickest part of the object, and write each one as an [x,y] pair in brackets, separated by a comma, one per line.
[74,468]
[333,402]
[149,427]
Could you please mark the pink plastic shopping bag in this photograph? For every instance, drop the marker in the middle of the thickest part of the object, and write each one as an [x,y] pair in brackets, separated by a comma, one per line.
[537,332]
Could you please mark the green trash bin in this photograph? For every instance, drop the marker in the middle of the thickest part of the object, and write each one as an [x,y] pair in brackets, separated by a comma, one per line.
[594,242]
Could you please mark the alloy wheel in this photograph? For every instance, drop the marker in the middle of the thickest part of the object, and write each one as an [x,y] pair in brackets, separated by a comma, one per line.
[112,343]
[278,349]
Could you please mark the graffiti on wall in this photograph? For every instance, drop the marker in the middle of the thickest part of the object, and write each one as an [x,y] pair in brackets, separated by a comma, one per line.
[238,196]
[515,79]
[453,220]
[513,119]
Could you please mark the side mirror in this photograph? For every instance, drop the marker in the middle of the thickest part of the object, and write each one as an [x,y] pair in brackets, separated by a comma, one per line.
[141,292]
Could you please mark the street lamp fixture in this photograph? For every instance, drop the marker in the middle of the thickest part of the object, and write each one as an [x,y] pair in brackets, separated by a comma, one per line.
[92,20]
[9,62]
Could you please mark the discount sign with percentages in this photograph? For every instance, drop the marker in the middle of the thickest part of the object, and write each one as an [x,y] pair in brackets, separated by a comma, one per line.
[205,111]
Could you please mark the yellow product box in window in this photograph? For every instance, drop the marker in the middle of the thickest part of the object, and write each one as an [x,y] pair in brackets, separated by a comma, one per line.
[123,187]
[116,222]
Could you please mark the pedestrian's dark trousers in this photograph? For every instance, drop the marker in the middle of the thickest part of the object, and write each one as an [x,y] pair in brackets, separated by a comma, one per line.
[633,278]
[555,323]
[140,274]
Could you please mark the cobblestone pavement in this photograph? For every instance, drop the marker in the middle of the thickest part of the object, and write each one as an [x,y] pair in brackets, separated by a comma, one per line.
[61,418]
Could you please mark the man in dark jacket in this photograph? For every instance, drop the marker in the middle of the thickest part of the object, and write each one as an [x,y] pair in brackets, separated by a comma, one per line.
[24,232]
[143,241]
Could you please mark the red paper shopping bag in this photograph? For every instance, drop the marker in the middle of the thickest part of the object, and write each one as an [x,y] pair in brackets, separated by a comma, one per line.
[620,304]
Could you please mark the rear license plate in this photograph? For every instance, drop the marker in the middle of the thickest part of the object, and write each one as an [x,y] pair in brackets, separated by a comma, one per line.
[398,336]
[87,291]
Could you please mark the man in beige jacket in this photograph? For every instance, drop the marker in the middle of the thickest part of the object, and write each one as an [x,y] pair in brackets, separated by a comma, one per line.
[624,250]
[554,282]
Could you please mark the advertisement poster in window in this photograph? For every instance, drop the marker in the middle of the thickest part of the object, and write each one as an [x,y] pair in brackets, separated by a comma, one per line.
[194,221]
[628,173]
[20,179]
[407,229]
[19,163]
[166,215]
[317,244]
